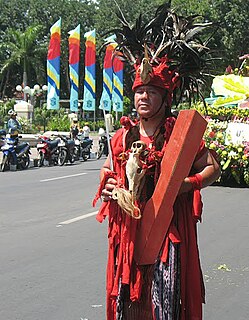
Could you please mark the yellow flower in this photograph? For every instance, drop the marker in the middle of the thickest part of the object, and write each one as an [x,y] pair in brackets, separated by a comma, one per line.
[240,149]
[219,135]
[212,146]
[244,157]
[224,153]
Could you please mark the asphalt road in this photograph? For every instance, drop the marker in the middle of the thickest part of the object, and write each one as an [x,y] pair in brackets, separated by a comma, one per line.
[53,251]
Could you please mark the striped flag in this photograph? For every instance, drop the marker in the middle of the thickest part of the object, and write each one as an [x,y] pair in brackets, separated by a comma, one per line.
[74,58]
[90,61]
[118,86]
[106,97]
[53,67]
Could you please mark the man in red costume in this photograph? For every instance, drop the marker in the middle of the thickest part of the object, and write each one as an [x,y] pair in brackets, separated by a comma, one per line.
[171,288]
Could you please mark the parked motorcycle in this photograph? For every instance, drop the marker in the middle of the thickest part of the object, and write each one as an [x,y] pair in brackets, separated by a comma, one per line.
[102,144]
[2,137]
[85,146]
[15,156]
[66,150]
[48,150]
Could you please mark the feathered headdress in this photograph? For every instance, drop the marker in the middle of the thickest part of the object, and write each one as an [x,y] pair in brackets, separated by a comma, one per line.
[166,52]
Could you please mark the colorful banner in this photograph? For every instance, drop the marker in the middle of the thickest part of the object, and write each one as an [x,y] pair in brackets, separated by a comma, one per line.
[118,86]
[106,97]
[90,76]
[74,58]
[53,67]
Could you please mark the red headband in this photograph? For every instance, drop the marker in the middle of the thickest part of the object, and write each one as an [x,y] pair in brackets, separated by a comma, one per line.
[160,76]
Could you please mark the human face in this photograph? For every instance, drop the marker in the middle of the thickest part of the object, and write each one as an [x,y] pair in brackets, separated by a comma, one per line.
[148,100]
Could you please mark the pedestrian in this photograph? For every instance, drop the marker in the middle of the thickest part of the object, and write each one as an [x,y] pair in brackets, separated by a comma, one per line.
[74,128]
[13,124]
[171,288]
[86,130]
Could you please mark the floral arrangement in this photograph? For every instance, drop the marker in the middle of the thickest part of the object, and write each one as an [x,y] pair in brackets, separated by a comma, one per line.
[223,113]
[234,159]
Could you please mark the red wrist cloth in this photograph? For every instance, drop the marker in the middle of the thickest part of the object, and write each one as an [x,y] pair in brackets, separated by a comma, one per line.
[196,182]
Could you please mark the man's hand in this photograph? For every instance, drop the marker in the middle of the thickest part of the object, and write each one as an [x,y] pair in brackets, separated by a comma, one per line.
[106,194]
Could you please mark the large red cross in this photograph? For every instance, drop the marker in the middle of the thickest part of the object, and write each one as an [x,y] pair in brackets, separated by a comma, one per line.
[177,161]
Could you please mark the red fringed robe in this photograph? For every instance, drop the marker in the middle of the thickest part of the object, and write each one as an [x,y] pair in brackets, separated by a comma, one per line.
[121,234]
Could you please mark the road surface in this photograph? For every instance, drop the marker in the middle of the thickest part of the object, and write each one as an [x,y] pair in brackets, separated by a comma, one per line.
[53,251]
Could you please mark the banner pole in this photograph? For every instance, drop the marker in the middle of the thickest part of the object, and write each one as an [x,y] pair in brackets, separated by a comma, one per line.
[94,120]
[108,141]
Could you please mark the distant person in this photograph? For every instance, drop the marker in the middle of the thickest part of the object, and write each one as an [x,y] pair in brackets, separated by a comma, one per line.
[74,129]
[14,125]
[86,130]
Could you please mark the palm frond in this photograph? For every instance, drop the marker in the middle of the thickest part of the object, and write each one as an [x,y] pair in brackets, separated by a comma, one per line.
[172,36]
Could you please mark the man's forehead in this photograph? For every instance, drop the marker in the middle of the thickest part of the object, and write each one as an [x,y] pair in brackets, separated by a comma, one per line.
[149,87]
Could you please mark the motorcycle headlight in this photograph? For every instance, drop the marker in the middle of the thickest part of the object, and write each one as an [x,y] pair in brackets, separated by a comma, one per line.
[40,145]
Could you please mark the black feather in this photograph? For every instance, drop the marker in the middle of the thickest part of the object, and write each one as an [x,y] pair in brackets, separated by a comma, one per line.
[173,36]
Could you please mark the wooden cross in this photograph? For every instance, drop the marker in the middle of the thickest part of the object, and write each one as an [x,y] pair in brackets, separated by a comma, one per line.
[176,164]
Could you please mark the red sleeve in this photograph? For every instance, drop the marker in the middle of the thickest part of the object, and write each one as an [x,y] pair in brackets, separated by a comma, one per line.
[201,151]
[117,143]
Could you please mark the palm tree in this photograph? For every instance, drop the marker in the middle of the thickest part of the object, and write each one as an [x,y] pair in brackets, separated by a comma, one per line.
[23,49]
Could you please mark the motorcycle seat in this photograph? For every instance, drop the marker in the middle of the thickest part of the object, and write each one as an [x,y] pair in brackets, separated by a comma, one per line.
[53,144]
[21,146]
[86,143]
[87,140]
[70,143]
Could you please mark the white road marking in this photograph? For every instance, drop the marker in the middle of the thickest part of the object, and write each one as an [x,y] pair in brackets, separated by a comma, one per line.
[63,177]
[84,216]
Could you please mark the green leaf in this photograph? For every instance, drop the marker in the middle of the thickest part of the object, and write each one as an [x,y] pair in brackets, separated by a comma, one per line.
[246,176]
[226,165]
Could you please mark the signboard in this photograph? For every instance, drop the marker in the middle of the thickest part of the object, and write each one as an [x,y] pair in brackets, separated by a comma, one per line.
[237,133]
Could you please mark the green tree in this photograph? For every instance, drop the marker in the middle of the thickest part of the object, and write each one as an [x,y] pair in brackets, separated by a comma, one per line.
[23,50]
[232,38]
[45,13]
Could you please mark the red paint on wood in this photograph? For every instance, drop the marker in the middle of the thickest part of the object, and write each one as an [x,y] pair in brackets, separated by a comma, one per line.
[177,161]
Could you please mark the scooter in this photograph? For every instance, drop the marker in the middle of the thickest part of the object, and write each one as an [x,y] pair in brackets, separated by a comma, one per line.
[66,150]
[103,144]
[15,156]
[48,151]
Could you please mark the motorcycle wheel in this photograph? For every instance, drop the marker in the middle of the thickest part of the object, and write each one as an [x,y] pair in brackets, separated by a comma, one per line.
[41,159]
[62,157]
[85,157]
[100,151]
[55,156]
[25,161]
[4,164]
[76,153]
[72,158]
